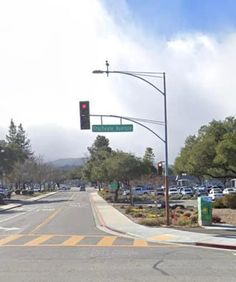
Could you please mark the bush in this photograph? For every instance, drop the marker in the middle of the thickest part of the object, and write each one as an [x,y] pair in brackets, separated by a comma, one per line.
[138,214]
[152,221]
[218,204]
[194,219]
[108,198]
[216,218]
[183,221]
[229,201]
[128,209]
[187,214]
[140,207]
[179,211]
[150,215]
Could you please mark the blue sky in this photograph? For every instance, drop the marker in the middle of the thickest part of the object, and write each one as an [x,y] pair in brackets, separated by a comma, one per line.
[168,17]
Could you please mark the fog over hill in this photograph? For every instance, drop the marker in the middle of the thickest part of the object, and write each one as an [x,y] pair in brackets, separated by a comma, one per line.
[69,162]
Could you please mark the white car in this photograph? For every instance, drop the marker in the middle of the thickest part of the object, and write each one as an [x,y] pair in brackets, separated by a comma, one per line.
[227,191]
[138,191]
[173,191]
[186,191]
[215,193]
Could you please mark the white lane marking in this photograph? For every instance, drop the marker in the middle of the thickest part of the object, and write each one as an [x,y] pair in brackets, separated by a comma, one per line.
[8,228]
[234,254]
[9,218]
[45,209]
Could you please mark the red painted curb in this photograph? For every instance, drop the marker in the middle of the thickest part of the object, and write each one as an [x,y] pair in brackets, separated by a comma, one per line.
[218,246]
[102,221]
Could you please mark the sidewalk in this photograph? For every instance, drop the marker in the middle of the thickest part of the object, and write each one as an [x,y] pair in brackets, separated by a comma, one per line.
[109,218]
[13,206]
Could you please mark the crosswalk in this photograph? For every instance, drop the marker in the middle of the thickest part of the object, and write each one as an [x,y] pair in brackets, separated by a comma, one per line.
[54,240]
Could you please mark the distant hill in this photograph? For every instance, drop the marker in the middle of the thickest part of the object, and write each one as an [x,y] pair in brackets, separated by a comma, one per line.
[69,162]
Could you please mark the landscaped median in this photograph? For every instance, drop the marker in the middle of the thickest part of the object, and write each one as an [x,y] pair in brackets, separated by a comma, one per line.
[145,212]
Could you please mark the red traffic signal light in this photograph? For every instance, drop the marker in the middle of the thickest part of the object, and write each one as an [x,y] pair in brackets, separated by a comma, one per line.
[84,115]
[84,105]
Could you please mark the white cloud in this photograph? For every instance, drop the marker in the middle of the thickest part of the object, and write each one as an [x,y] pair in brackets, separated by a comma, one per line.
[49,48]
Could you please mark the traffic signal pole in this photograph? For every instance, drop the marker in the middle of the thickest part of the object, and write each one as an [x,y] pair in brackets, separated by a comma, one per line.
[163,92]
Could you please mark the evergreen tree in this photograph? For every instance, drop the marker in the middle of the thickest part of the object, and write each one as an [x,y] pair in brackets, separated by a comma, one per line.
[18,142]
[11,137]
[148,160]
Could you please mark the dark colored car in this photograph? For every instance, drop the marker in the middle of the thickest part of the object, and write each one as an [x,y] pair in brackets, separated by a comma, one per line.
[82,187]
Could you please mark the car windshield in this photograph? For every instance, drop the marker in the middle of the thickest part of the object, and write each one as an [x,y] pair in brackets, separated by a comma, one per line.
[217,190]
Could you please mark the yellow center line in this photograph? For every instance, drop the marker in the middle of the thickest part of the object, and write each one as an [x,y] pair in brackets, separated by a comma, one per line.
[48,219]
[39,240]
[107,241]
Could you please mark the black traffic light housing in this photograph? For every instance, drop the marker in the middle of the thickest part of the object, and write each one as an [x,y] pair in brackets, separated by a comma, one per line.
[159,168]
[84,115]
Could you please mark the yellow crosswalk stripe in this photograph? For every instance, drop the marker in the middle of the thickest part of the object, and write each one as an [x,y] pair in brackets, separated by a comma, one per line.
[140,243]
[73,240]
[106,241]
[63,240]
[39,240]
[9,239]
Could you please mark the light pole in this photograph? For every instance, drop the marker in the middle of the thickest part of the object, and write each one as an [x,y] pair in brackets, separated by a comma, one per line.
[165,140]
[2,151]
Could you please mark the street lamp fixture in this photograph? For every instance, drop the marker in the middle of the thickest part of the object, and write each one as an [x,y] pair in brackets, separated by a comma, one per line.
[141,75]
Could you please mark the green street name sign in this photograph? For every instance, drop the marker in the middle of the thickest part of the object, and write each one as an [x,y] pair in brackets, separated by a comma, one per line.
[112,128]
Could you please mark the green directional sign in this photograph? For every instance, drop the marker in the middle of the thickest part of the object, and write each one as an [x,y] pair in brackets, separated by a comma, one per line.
[112,128]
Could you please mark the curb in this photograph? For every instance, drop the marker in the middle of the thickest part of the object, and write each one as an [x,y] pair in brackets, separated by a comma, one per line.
[10,208]
[27,200]
[40,197]
[217,246]
[101,220]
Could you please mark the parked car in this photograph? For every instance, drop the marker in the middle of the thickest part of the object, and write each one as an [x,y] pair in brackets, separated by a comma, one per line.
[138,191]
[82,187]
[186,191]
[64,187]
[173,191]
[227,191]
[215,193]
[159,191]
[36,189]
[200,191]
[5,193]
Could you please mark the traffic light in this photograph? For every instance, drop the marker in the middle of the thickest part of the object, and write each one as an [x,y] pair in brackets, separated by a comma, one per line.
[84,115]
[159,168]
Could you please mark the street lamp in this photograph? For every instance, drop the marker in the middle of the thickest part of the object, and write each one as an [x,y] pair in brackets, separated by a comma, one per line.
[2,151]
[165,140]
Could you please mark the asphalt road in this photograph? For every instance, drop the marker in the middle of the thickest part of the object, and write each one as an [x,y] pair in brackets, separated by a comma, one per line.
[55,239]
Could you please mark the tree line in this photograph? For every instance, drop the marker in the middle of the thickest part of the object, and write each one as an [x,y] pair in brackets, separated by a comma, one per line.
[211,153]
[18,164]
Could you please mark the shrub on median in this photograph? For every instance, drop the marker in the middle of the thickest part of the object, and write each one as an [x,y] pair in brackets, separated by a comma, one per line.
[229,201]
[216,218]
[152,221]
[218,204]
